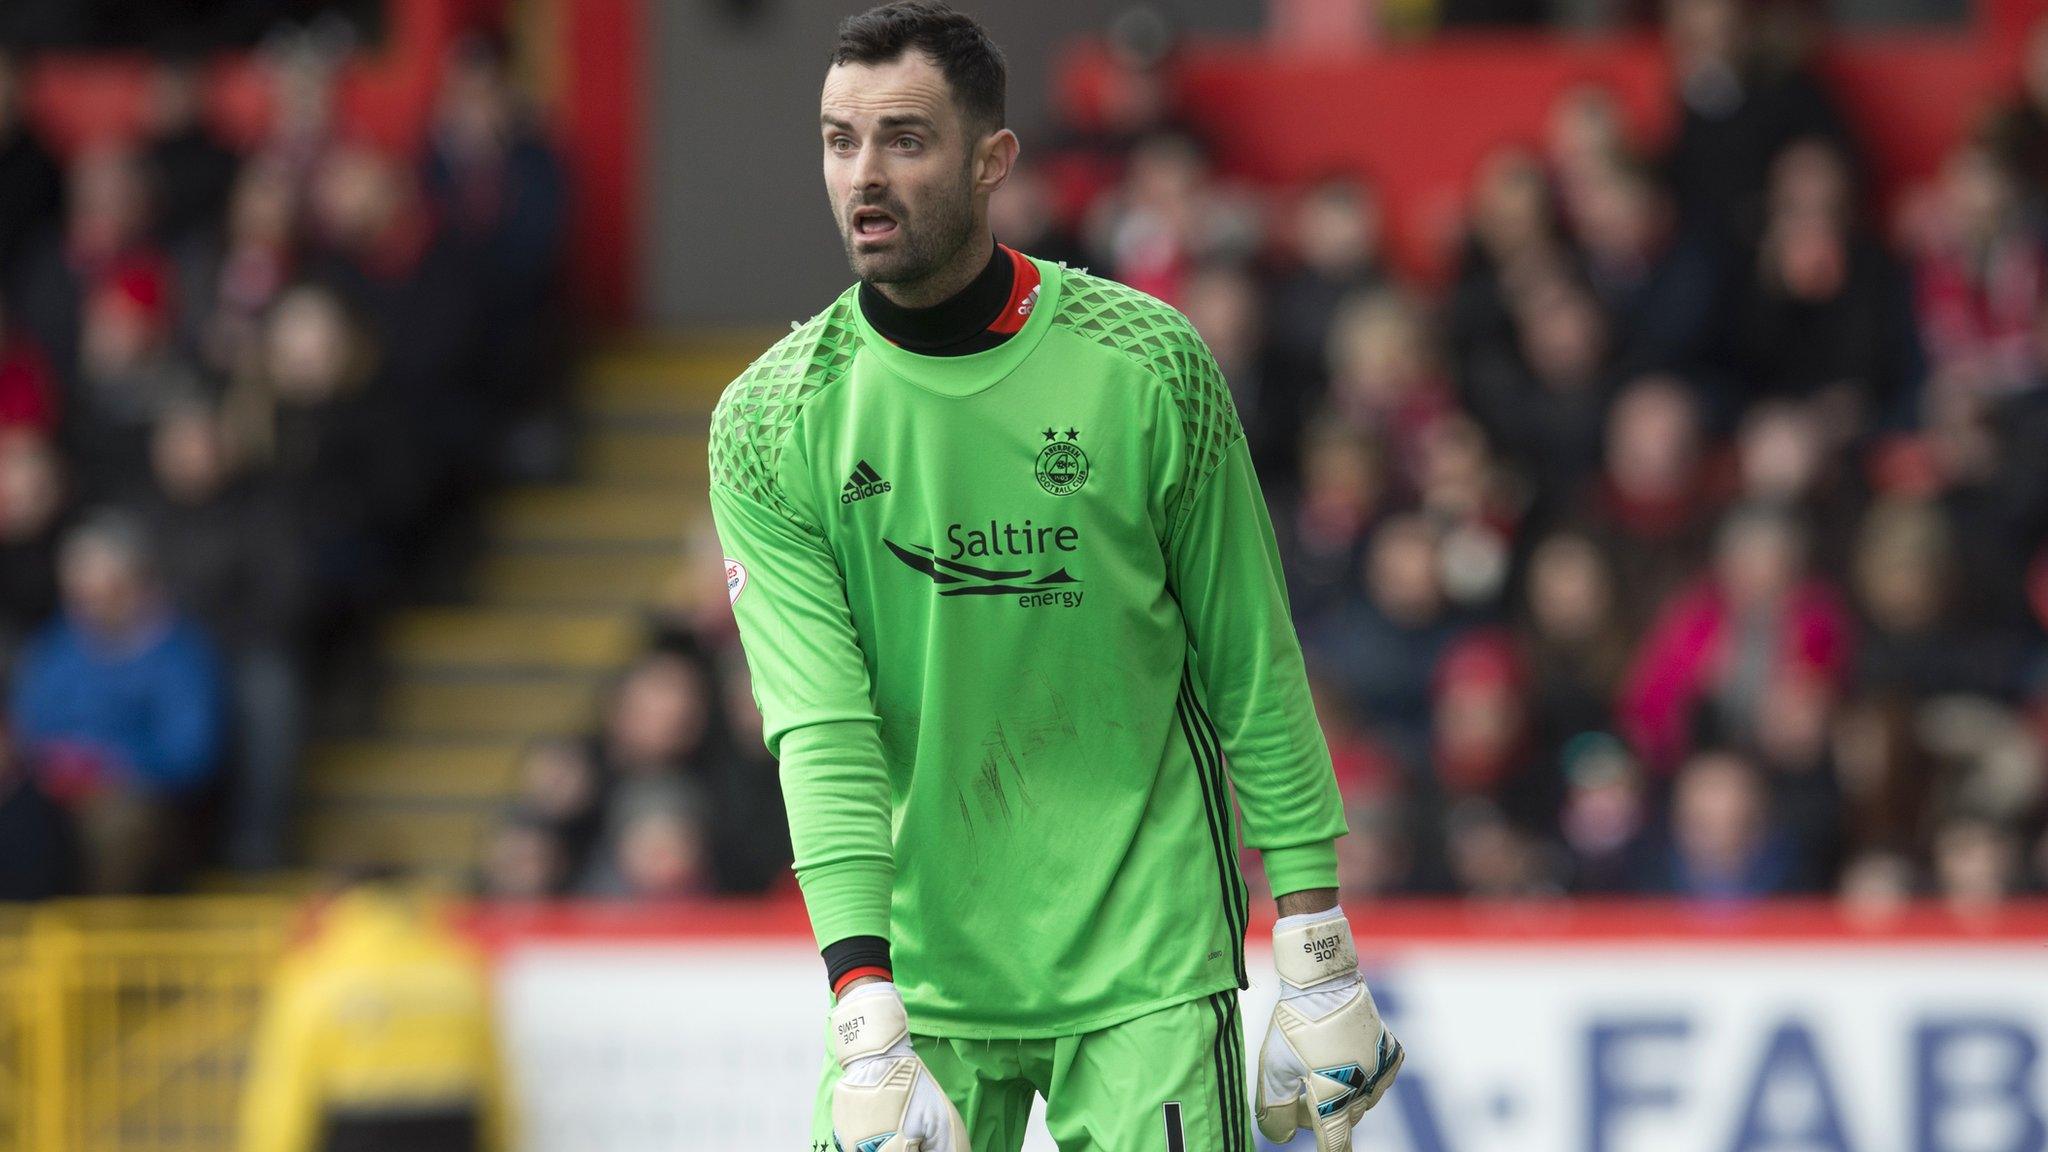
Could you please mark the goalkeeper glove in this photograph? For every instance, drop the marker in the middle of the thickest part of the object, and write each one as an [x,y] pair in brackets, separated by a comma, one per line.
[886,1099]
[1327,1057]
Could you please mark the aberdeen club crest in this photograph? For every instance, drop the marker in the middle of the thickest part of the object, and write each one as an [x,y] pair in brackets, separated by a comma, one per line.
[1062,466]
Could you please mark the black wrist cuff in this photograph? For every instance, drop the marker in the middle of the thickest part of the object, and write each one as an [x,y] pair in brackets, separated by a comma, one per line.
[843,956]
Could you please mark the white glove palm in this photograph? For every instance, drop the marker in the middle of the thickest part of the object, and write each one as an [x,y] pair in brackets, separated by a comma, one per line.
[1327,1058]
[886,1099]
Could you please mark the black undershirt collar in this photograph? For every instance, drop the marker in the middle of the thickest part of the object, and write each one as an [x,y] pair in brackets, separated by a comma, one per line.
[955,326]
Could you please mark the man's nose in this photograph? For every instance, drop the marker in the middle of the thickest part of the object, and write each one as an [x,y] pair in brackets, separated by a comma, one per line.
[869,171]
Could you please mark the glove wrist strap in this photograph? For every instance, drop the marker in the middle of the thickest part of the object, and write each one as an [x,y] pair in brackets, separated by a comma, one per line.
[1308,950]
[868,1021]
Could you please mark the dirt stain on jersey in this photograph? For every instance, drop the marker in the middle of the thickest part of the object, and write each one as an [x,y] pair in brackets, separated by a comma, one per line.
[997,760]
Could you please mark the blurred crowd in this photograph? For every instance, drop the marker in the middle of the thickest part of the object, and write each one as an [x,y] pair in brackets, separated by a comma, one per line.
[1688,539]
[248,393]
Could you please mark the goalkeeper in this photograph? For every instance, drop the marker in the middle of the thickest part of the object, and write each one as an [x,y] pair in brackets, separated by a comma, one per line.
[1016,624]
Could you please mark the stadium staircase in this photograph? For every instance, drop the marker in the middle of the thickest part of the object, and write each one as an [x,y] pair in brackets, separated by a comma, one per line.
[557,605]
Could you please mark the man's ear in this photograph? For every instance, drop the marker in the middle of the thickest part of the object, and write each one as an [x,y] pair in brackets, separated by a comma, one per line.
[995,156]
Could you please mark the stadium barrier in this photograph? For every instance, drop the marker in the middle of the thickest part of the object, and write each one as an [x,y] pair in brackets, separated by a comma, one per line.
[124,1024]
[1552,1028]
[1557,1028]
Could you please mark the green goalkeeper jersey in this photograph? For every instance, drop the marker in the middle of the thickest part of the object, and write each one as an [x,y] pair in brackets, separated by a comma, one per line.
[1009,617]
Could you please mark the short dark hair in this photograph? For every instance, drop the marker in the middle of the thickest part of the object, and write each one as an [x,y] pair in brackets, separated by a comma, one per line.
[971,62]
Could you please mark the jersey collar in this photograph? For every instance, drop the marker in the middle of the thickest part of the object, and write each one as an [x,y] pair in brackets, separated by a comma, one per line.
[976,371]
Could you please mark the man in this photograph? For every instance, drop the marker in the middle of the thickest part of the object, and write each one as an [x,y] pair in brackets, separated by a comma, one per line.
[1010,597]
[120,704]
[377,1035]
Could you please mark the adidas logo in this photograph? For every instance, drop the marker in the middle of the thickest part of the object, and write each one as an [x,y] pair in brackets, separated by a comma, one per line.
[864,482]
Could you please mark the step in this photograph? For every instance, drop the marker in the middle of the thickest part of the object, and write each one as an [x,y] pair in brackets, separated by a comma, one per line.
[629,455]
[367,770]
[594,514]
[488,709]
[506,639]
[596,579]
[435,838]
[701,365]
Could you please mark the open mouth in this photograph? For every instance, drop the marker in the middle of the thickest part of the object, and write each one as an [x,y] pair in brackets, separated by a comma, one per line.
[873,224]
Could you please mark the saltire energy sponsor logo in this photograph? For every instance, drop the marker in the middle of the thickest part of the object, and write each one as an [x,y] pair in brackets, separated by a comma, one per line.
[1057,588]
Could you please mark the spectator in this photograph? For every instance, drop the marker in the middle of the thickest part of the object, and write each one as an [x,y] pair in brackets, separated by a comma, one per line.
[1912,641]
[1978,280]
[1490,858]
[657,846]
[1480,724]
[229,556]
[1787,457]
[259,254]
[1462,492]
[104,247]
[1876,887]
[1384,379]
[1025,215]
[1604,818]
[1651,507]
[1976,865]
[1739,103]
[658,722]
[750,847]
[1334,245]
[1375,860]
[1513,233]
[1576,647]
[31,186]
[120,703]
[1885,777]
[1719,649]
[1826,312]
[1379,651]
[524,860]
[32,507]
[28,389]
[337,448]
[1343,493]
[1660,284]
[1584,140]
[1543,396]
[2019,131]
[38,842]
[1792,748]
[1222,302]
[1168,216]
[129,374]
[1723,842]
[497,185]
[188,165]
[379,248]
[561,794]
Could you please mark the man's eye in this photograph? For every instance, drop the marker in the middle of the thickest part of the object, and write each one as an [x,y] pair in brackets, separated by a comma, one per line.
[909,143]
[840,144]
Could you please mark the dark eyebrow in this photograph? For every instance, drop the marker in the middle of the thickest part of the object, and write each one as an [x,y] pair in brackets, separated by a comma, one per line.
[900,120]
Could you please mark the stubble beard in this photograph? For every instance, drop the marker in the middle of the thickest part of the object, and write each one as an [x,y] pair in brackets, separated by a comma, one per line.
[925,247]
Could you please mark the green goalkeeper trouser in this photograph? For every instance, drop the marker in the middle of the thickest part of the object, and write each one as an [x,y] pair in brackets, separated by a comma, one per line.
[1169,1081]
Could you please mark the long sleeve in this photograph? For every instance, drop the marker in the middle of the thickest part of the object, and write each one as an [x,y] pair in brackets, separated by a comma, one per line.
[280,1108]
[181,746]
[818,716]
[1225,567]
